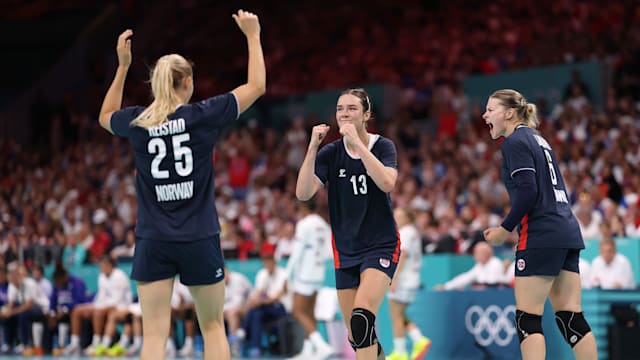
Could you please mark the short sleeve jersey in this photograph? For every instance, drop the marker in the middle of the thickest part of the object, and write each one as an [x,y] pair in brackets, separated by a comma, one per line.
[174,168]
[550,223]
[360,213]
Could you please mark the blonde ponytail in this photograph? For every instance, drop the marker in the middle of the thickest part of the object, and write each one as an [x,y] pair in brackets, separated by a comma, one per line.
[530,116]
[166,76]
[527,112]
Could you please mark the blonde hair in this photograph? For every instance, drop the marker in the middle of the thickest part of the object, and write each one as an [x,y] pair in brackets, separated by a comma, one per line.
[527,112]
[166,76]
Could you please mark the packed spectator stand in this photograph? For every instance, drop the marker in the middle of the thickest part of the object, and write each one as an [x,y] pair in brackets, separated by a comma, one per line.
[67,195]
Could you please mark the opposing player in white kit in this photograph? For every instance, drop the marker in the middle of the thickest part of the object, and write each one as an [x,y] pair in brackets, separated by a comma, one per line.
[403,289]
[236,292]
[306,272]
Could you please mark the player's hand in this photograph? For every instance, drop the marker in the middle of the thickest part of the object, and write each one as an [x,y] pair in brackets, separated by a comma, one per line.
[124,48]
[496,235]
[318,133]
[247,22]
[348,131]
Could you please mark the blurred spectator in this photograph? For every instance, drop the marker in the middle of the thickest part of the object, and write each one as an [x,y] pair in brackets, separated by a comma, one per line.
[74,254]
[125,251]
[611,270]
[487,271]
[68,292]
[237,290]
[37,273]
[114,290]
[27,305]
[266,302]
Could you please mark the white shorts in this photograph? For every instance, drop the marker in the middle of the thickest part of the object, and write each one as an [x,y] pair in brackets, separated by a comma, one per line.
[135,309]
[403,296]
[305,288]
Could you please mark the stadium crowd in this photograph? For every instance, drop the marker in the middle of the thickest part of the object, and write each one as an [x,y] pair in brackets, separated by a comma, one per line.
[70,199]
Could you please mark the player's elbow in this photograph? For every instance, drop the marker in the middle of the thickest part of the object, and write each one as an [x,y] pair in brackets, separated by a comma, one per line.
[260,88]
[388,185]
[103,120]
[302,196]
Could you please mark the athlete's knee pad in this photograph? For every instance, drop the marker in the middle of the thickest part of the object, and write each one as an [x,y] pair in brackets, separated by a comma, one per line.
[572,325]
[128,319]
[363,328]
[527,324]
[381,355]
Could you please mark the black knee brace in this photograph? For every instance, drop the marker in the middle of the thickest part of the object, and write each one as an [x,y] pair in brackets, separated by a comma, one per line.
[381,355]
[128,319]
[572,325]
[528,324]
[363,328]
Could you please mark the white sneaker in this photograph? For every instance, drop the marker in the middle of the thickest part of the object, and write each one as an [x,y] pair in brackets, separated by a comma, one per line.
[133,350]
[170,352]
[186,351]
[323,353]
[71,350]
[300,356]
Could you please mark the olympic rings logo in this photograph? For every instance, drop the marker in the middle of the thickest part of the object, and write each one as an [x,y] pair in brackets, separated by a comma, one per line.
[491,325]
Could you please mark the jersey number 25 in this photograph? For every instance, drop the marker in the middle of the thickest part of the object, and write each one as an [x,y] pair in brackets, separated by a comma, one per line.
[181,153]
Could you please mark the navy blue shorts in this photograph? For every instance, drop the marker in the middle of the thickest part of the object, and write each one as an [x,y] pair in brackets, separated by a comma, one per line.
[546,261]
[198,262]
[349,278]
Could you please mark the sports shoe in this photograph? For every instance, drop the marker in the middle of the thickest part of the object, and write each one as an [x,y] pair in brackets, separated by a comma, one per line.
[420,348]
[323,353]
[186,351]
[71,350]
[235,346]
[116,350]
[397,356]
[133,350]
[33,351]
[99,350]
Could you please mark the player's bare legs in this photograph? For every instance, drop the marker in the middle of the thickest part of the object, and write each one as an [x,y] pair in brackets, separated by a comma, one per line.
[566,295]
[155,301]
[396,311]
[209,301]
[531,293]
[303,311]
[346,297]
[113,319]
[369,295]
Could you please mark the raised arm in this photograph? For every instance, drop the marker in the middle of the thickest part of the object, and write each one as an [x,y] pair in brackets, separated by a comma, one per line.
[307,184]
[113,99]
[256,84]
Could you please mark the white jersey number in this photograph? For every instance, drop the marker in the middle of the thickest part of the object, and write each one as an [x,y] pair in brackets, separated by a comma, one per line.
[362,189]
[552,170]
[182,154]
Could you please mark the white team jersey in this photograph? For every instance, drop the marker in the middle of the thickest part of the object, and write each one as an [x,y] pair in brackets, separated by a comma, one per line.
[236,290]
[311,249]
[411,247]
[28,290]
[114,290]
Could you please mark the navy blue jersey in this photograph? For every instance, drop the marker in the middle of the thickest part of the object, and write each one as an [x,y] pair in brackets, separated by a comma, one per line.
[64,299]
[550,222]
[174,168]
[361,214]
